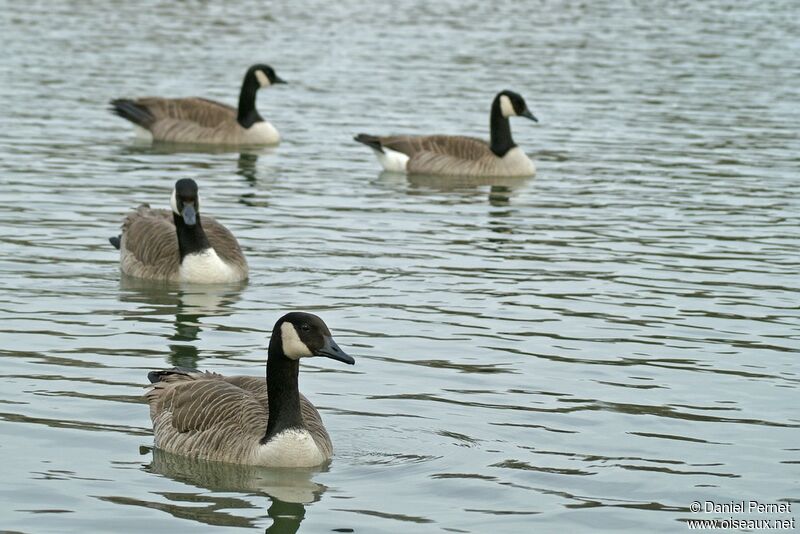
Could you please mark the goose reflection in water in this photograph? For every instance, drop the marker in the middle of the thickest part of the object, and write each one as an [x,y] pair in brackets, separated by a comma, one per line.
[501,188]
[188,304]
[246,163]
[141,147]
[289,490]
[246,166]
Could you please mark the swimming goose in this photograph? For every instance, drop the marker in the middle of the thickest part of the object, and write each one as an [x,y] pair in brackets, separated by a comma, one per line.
[202,121]
[179,246]
[459,155]
[245,419]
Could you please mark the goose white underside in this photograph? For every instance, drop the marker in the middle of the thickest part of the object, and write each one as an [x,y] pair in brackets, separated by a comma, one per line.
[392,160]
[261,133]
[290,448]
[207,267]
[142,134]
[518,163]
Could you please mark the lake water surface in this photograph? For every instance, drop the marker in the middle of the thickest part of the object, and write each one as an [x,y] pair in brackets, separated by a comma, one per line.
[591,349]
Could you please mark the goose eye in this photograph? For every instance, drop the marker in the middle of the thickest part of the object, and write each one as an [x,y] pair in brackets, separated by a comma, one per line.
[304,327]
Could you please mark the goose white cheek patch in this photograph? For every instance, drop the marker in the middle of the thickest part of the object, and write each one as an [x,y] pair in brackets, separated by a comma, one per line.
[173,201]
[506,108]
[262,78]
[293,347]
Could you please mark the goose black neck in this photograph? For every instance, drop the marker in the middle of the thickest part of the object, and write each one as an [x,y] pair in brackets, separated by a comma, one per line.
[283,396]
[499,131]
[191,239]
[248,115]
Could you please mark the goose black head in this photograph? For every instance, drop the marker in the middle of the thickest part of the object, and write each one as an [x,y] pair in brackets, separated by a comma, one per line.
[186,201]
[304,334]
[513,105]
[264,75]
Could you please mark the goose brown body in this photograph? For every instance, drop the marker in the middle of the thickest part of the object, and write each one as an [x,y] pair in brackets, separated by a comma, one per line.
[196,120]
[202,121]
[210,416]
[454,155]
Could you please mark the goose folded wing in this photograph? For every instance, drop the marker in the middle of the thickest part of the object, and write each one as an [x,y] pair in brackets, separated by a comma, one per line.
[152,240]
[312,420]
[223,242]
[206,113]
[258,388]
[460,147]
[216,407]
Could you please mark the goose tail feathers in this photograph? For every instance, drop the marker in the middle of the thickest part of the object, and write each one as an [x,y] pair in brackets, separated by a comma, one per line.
[371,141]
[132,111]
[173,375]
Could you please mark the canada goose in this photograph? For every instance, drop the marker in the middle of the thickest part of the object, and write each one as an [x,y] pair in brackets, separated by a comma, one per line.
[202,121]
[459,155]
[177,246]
[244,419]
